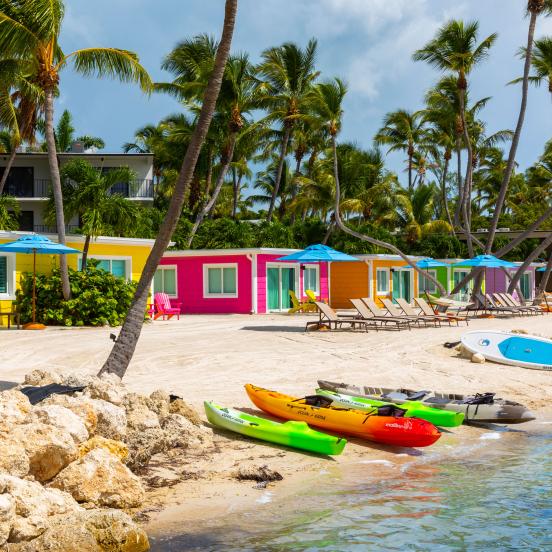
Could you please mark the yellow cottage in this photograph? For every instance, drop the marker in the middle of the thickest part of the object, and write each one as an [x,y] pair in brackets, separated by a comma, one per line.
[123,257]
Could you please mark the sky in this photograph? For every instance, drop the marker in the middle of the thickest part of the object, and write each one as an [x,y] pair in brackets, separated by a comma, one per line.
[368,43]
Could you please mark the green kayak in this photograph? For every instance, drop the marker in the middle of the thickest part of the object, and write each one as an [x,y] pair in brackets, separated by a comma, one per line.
[414,409]
[292,434]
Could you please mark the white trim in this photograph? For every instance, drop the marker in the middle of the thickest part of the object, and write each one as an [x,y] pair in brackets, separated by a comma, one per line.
[206,294]
[370,266]
[297,279]
[10,277]
[168,267]
[433,273]
[318,286]
[254,285]
[530,274]
[230,252]
[126,258]
[389,288]
[470,283]
[329,282]
[79,238]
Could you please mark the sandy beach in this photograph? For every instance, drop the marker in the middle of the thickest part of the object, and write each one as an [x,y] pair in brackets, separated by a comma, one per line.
[211,357]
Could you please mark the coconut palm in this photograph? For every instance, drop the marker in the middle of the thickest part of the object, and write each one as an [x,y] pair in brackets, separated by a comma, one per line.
[9,213]
[65,135]
[404,131]
[30,31]
[87,194]
[541,62]
[124,347]
[288,73]
[455,49]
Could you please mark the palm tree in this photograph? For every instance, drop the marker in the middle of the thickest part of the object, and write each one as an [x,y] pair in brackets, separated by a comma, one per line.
[65,135]
[288,73]
[534,9]
[87,194]
[30,32]
[455,49]
[403,131]
[124,347]
[541,62]
[327,104]
[9,213]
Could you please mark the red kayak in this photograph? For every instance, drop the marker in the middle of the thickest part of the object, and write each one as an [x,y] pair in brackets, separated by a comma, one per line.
[392,429]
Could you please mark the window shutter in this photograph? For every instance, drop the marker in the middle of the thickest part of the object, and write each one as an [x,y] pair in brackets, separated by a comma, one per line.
[3,275]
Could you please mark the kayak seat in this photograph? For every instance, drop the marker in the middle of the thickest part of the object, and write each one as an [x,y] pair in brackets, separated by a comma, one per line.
[417,396]
[395,395]
[438,400]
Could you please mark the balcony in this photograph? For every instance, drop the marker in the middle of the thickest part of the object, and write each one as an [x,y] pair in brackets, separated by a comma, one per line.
[44,229]
[137,189]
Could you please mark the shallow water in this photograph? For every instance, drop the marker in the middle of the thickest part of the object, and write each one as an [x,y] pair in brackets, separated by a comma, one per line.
[495,493]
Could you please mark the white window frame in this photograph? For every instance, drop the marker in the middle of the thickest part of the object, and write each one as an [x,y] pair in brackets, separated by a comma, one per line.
[206,294]
[469,285]
[175,268]
[531,285]
[10,277]
[387,271]
[128,262]
[433,273]
[317,268]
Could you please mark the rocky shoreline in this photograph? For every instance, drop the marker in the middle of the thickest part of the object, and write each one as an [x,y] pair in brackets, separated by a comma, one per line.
[73,466]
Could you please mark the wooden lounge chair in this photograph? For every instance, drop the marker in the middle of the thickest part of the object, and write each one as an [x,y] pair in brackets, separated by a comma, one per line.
[489,305]
[426,309]
[163,307]
[409,311]
[509,299]
[396,313]
[300,306]
[329,318]
[384,321]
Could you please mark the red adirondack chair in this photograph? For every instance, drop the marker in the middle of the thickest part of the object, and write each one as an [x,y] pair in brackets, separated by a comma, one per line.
[164,308]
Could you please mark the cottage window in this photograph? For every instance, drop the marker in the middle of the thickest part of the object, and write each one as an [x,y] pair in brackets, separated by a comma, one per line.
[3,275]
[164,280]
[382,281]
[426,284]
[311,279]
[220,280]
[525,285]
[117,266]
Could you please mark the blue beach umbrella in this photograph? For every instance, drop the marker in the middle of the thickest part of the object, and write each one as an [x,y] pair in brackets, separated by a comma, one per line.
[427,263]
[318,254]
[37,245]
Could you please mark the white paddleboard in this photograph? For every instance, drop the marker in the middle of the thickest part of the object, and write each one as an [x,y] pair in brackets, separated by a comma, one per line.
[528,351]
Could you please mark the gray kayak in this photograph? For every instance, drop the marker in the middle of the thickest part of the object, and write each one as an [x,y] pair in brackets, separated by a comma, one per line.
[482,407]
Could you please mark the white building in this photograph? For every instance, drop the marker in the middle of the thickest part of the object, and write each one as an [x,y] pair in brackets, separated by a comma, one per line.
[29,182]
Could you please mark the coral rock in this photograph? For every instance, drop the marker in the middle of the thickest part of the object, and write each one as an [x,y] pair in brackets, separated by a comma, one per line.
[159,402]
[181,432]
[99,477]
[13,456]
[178,406]
[142,445]
[7,517]
[61,417]
[112,420]
[139,416]
[478,358]
[81,406]
[117,448]
[40,378]
[108,388]
[14,407]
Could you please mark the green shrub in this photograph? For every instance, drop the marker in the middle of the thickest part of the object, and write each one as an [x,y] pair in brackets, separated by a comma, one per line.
[97,298]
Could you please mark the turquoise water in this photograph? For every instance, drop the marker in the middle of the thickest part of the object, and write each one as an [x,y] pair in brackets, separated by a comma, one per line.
[495,495]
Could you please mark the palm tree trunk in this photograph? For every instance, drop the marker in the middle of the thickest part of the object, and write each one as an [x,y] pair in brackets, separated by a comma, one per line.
[466,201]
[218,186]
[85,253]
[410,183]
[209,177]
[299,160]
[283,151]
[545,277]
[517,134]
[458,209]
[369,239]
[124,347]
[7,169]
[56,186]
[328,233]
[236,190]
[532,256]
[444,192]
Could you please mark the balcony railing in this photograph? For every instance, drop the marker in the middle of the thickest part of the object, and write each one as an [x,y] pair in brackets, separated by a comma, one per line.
[137,189]
[44,229]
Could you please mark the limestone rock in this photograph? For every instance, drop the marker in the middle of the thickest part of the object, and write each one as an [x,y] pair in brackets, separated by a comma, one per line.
[108,388]
[159,402]
[180,407]
[181,432]
[7,517]
[101,478]
[117,448]
[142,445]
[139,415]
[81,406]
[465,352]
[40,378]
[13,456]
[49,448]
[34,504]
[478,358]
[14,407]
[61,417]
[111,419]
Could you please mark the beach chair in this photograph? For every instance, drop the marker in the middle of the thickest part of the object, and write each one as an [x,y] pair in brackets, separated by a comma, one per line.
[312,296]
[409,311]
[509,299]
[489,305]
[163,307]
[426,309]
[396,313]
[384,321]
[331,320]
[300,306]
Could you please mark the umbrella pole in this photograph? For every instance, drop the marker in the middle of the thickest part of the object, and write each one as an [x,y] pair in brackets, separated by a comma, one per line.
[34,287]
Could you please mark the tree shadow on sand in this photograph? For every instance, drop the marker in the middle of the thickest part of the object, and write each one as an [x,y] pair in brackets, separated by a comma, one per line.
[288,329]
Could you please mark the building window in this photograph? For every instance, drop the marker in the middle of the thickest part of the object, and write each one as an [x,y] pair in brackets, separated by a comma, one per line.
[116,266]
[382,281]
[164,280]
[7,277]
[311,279]
[525,285]
[426,284]
[220,280]
[3,275]
[465,293]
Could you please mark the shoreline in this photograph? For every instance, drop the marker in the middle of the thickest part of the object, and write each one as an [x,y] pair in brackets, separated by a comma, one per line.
[212,357]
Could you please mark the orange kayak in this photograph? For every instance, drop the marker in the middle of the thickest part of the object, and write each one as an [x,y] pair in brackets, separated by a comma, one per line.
[389,430]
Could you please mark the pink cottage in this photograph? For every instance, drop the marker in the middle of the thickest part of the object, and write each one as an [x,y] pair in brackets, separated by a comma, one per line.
[237,281]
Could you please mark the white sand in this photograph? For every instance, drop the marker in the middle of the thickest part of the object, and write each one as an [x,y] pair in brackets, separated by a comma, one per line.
[211,357]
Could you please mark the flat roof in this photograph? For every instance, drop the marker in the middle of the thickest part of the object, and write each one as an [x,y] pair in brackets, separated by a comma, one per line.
[108,240]
[219,252]
[79,154]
